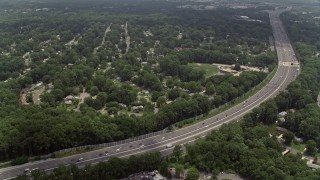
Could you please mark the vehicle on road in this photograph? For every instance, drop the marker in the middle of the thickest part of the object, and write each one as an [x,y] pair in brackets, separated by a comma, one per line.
[26,170]
[80,159]
[34,169]
[169,145]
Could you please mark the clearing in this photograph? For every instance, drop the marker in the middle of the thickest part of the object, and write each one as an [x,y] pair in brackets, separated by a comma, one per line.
[210,70]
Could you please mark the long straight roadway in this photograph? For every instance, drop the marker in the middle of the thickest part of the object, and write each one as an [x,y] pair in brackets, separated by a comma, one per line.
[288,69]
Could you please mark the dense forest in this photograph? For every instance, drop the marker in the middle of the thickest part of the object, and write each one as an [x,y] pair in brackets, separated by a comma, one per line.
[89,74]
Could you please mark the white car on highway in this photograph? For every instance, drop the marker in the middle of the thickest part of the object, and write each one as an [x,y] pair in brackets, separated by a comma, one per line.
[168,145]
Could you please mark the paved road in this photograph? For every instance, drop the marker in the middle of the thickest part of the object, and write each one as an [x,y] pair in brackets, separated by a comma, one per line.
[287,71]
[103,39]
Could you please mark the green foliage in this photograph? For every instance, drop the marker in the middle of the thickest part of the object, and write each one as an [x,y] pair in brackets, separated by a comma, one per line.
[177,151]
[19,160]
[226,88]
[288,137]
[237,67]
[94,90]
[193,174]
[29,98]
[164,169]
[173,94]
[311,148]
[249,151]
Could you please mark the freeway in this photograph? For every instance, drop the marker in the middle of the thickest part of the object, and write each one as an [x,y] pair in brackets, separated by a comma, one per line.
[287,71]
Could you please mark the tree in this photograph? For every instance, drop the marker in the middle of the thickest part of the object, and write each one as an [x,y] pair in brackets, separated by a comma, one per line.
[48,98]
[288,137]
[237,67]
[38,174]
[94,90]
[113,110]
[173,94]
[193,174]
[179,170]
[155,95]
[170,83]
[29,98]
[102,96]
[58,94]
[210,89]
[270,113]
[311,148]
[161,101]
[177,151]
[163,169]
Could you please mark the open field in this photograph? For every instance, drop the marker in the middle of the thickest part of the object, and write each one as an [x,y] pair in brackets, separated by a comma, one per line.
[209,69]
[299,147]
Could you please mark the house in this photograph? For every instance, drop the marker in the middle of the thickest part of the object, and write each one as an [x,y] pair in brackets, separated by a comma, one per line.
[168,102]
[69,97]
[122,105]
[154,175]
[137,108]
[282,119]
[300,140]
[282,114]
[68,102]
[39,84]
[285,152]
[281,130]
[157,42]
[228,71]
[313,166]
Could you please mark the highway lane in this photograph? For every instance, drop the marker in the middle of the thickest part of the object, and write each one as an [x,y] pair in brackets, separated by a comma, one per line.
[285,74]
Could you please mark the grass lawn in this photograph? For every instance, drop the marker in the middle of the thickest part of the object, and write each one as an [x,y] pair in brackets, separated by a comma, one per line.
[5,165]
[208,69]
[299,147]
